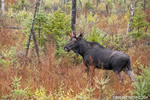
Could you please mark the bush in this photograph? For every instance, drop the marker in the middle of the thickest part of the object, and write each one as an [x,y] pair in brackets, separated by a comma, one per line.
[21,4]
[138,24]
[7,57]
[96,36]
[143,82]
[16,93]
[40,94]
[57,28]
[113,42]
[40,21]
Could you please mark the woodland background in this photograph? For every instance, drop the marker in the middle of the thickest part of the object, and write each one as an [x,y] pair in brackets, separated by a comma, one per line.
[116,24]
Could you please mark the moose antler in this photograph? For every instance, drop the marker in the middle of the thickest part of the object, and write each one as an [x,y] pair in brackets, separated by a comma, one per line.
[73,34]
[80,34]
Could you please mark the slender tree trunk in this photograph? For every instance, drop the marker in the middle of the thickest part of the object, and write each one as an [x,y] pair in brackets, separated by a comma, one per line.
[86,10]
[64,2]
[97,2]
[107,9]
[144,4]
[73,20]
[125,1]
[2,7]
[136,2]
[129,28]
[39,28]
[80,3]
[32,33]
[36,45]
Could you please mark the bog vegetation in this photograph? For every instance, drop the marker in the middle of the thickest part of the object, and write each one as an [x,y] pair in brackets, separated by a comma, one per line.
[61,75]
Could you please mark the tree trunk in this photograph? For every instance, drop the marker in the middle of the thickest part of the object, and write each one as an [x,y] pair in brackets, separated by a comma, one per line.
[32,33]
[64,2]
[107,9]
[125,1]
[86,10]
[36,45]
[129,28]
[39,28]
[97,2]
[136,3]
[73,20]
[144,4]
[2,7]
[80,3]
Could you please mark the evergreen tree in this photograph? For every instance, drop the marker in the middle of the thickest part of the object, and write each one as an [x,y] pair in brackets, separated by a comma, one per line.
[138,24]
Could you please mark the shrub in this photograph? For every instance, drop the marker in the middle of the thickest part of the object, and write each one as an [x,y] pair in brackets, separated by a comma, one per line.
[143,82]
[16,93]
[96,36]
[86,94]
[40,94]
[21,4]
[113,42]
[57,27]
[92,18]
[138,24]
[61,94]
[39,23]
[101,85]
[7,57]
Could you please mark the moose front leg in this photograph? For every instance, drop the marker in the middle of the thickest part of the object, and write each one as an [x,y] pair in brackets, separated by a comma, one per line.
[91,74]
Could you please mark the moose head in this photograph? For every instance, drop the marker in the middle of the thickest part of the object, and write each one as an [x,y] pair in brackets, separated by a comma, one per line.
[74,42]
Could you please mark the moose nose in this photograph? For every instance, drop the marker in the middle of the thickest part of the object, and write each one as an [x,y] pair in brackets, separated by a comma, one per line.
[66,49]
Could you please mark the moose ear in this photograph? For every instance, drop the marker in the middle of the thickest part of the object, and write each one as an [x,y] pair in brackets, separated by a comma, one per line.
[80,35]
[73,35]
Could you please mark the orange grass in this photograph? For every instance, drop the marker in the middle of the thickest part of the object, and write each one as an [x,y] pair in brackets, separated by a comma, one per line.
[52,72]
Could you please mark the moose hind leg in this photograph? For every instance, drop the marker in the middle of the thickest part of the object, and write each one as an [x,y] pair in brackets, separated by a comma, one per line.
[119,77]
[130,73]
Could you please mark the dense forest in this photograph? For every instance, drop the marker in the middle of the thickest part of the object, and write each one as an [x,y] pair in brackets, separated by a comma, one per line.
[35,66]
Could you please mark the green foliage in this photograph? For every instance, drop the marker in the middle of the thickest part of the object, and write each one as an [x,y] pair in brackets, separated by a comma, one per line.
[40,94]
[105,39]
[91,18]
[48,4]
[53,28]
[16,93]
[86,94]
[40,21]
[58,24]
[111,4]
[90,92]
[22,16]
[68,6]
[89,4]
[61,42]
[21,4]
[115,42]
[57,27]
[138,23]
[143,82]
[96,36]
[7,57]
[60,94]
[101,85]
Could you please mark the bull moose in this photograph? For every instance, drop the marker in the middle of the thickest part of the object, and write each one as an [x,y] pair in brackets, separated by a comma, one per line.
[97,56]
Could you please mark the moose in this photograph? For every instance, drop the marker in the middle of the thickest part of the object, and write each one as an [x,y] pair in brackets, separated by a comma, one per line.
[97,56]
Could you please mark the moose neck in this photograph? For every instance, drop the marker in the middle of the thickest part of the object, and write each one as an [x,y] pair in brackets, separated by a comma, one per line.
[83,47]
